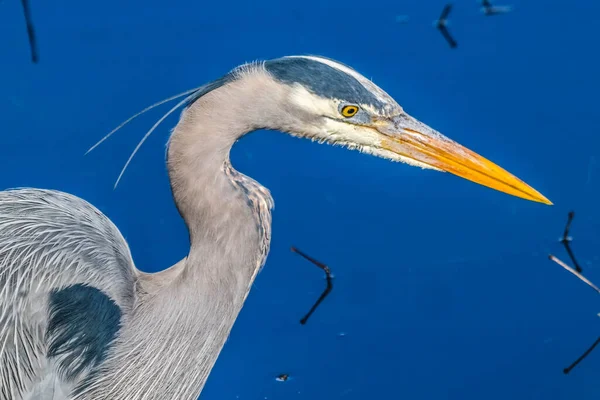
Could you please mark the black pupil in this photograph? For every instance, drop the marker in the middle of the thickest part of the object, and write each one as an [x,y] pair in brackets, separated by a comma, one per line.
[350,110]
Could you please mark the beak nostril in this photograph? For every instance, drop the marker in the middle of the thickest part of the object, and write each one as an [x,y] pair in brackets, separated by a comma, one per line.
[412,131]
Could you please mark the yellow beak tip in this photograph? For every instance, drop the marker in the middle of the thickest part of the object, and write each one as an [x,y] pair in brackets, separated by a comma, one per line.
[539,198]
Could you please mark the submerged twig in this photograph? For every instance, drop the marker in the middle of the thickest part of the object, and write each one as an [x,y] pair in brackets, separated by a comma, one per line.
[584,355]
[574,272]
[30,31]
[488,9]
[565,240]
[328,288]
[442,25]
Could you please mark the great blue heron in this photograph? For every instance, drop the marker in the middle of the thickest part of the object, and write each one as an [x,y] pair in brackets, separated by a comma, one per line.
[79,321]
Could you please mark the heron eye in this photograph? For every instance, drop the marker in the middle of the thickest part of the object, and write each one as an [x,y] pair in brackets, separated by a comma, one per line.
[349,111]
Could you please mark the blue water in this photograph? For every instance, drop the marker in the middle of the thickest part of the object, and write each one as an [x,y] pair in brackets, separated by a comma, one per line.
[442,287]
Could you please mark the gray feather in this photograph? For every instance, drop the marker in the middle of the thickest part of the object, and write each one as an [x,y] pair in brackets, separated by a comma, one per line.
[49,241]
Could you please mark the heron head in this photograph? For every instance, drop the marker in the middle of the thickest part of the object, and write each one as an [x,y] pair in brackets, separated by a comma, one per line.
[332,103]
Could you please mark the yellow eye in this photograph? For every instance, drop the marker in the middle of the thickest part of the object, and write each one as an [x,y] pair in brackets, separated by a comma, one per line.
[349,111]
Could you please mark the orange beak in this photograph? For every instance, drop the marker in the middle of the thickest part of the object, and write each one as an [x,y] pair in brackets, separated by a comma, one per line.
[414,140]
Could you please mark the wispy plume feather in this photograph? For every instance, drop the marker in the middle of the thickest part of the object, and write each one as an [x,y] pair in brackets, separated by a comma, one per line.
[147,135]
[187,92]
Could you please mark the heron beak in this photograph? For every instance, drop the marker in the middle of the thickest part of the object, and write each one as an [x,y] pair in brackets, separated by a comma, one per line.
[409,138]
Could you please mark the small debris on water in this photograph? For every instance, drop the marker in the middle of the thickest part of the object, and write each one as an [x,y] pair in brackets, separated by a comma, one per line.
[282,378]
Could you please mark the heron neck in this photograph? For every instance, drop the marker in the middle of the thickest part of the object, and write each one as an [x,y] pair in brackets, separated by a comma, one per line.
[226,212]
[184,314]
[228,218]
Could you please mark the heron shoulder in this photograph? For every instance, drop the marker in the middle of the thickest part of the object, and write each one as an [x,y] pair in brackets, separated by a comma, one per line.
[57,239]
[66,280]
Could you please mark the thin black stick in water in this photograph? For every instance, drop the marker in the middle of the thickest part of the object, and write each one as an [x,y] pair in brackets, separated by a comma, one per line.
[30,31]
[584,355]
[565,240]
[327,289]
[590,284]
[577,272]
